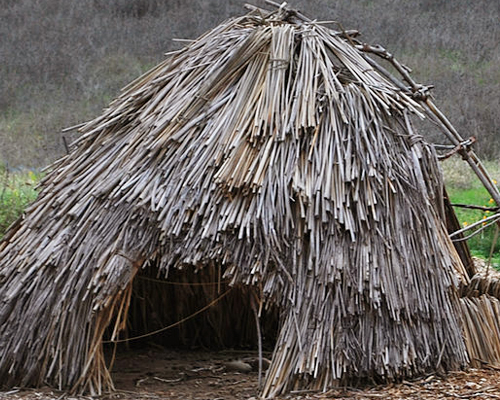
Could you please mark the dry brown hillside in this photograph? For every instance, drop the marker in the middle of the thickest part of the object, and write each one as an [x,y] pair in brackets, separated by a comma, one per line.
[63,61]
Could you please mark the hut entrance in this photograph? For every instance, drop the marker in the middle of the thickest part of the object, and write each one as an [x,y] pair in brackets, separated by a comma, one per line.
[194,309]
[176,329]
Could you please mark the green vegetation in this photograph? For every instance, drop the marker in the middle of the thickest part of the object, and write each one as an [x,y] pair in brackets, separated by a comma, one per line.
[17,190]
[464,188]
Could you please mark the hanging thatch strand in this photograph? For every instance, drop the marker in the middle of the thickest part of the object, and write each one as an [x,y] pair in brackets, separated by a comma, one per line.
[271,147]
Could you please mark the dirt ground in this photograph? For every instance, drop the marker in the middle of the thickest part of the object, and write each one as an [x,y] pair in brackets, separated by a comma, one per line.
[168,374]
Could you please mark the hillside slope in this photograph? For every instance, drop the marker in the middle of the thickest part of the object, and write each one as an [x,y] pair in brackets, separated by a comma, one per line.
[62,62]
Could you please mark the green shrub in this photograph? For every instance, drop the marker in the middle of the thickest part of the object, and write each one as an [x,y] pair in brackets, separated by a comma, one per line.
[17,190]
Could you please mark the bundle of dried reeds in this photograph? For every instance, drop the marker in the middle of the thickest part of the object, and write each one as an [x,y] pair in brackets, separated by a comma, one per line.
[481,284]
[269,146]
[482,328]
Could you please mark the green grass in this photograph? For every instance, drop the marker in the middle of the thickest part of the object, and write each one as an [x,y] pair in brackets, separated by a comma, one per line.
[464,188]
[17,190]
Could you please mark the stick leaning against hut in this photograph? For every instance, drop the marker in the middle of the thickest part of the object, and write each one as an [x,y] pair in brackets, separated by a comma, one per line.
[272,148]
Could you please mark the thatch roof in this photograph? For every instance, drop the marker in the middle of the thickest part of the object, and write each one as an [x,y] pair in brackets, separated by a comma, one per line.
[272,148]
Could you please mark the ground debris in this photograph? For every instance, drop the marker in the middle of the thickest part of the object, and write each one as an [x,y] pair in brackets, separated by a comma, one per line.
[202,375]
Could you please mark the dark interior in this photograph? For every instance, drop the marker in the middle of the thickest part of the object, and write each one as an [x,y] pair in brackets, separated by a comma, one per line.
[229,323]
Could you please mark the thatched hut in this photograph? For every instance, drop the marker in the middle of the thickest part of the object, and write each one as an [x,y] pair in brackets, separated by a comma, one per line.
[268,156]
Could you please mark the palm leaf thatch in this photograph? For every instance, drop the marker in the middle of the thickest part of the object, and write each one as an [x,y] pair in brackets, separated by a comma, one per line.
[272,148]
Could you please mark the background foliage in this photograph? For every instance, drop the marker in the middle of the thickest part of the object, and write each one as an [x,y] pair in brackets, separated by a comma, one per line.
[63,61]
[464,187]
[17,190]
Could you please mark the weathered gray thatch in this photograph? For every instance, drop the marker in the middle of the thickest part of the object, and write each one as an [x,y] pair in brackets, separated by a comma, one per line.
[271,148]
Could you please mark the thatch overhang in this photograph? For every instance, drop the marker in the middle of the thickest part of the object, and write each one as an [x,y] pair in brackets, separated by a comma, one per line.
[271,148]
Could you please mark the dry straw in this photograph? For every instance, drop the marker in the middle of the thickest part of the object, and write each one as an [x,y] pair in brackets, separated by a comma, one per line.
[272,148]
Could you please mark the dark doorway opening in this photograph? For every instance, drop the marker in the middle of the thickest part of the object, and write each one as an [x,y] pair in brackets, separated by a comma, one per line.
[195,309]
